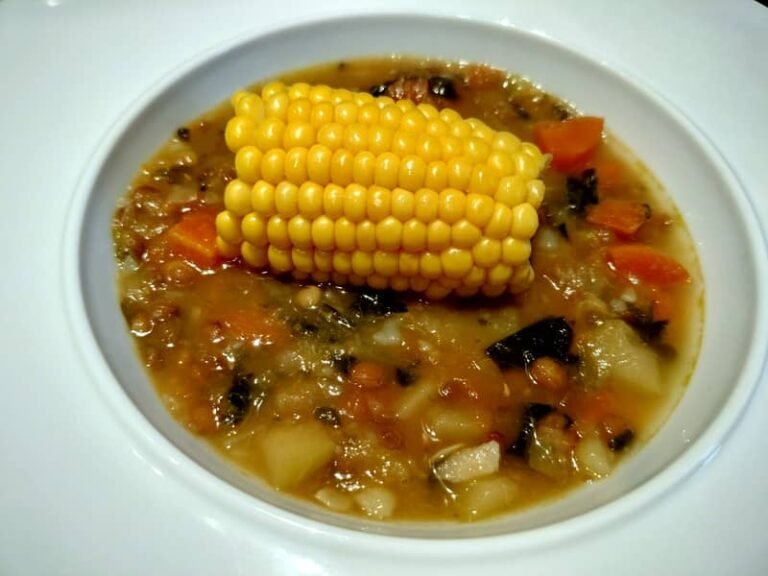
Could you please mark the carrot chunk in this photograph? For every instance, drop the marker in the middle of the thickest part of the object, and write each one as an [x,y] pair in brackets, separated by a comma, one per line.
[571,142]
[622,216]
[253,325]
[194,238]
[646,264]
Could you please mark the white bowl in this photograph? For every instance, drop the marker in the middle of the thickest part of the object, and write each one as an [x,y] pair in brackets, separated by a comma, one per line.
[728,236]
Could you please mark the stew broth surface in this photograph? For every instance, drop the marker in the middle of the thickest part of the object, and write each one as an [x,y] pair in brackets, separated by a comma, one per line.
[377,403]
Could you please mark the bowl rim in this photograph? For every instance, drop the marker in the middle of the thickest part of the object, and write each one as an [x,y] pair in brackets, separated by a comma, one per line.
[240,504]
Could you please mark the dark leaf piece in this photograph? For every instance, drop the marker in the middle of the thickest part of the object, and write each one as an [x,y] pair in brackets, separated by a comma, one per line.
[378,303]
[343,363]
[405,377]
[379,89]
[532,414]
[327,415]
[582,191]
[183,133]
[650,330]
[548,337]
[239,399]
[443,87]
[621,441]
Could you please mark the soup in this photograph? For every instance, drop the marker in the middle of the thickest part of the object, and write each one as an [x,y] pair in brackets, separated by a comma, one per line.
[413,404]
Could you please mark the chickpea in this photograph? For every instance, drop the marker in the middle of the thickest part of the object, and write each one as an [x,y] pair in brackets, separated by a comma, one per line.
[308,298]
[548,373]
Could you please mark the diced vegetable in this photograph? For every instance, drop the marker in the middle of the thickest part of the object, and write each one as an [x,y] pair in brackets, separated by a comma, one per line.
[548,337]
[415,399]
[470,463]
[571,142]
[621,216]
[550,451]
[486,496]
[646,264]
[614,354]
[593,457]
[333,499]
[457,424]
[376,502]
[293,452]
[194,238]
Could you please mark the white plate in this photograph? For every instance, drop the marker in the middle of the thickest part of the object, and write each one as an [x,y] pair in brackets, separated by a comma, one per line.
[80,495]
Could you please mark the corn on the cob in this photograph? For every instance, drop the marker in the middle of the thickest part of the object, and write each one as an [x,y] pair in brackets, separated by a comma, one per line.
[340,186]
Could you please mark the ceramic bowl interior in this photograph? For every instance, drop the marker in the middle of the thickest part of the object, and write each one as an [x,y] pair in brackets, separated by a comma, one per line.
[710,200]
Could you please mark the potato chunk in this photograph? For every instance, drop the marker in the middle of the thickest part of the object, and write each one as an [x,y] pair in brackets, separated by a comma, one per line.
[293,452]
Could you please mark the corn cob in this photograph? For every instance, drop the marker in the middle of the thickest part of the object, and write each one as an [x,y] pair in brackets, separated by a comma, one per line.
[340,186]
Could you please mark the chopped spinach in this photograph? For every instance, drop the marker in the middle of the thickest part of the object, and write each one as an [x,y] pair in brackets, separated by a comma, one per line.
[548,337]
[581,191]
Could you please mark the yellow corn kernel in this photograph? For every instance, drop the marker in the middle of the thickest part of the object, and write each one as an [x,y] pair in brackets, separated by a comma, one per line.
[323,262]
[493,290]
[430,265]
[436,127]
[254,229]
[412,173]
[377,282]
[263,198]
[320,277]
[436,176]
[300,232]
[368,114]
[321,114]
[436,291]
[452,205]
[226,249]
[428,111]
[286,199]
[322,233]
[389,233]
[500,223]
[479,209]
[403,204]
[414,235]
[299,134]
[404,143]
[526,166]
[345,113]
[228,227]
[380,139]
[355,201]
[427,204]
[362,99]
[256,256]
[418,284]
[272,88]
[276,106]
[456,262]
[356,280]
[413,121]
[299,111]
[501,163]
[535,194]
[385,264]
[399,284]
[319,164]
[428,148]
[511,191]
[277,232]
[481,130]
[320,94]
[387,169]
[356,138]
[362,263]
[390,116]
[310,200]
[438,236]
[331,135]
[341,167]
[303,260]
[250,106]
[464,234]
[378,203]
[342,263]
[484,180]
[365,236]
[449,116]
[505,142]
[459,173]
[237,197]
[461,130]
[408,264]
[340,95]
[499,274]
[248,164]
[466,291]
[450,148]
[239,132]
[273,166]
[525,221]
[279,258]
[515,251]
[405,105]
[333,201]
[487,252]
[296,165]
[476,149]
[364,168]
[522,277]
[475,277]
[344,235]
[269,134]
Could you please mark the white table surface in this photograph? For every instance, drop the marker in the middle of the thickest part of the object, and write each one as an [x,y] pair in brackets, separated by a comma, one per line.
[77,494]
